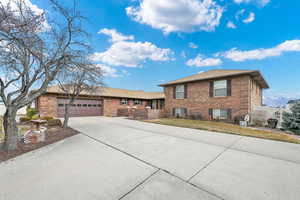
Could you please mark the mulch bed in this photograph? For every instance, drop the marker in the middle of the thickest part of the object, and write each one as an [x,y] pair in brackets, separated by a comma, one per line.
[52,135]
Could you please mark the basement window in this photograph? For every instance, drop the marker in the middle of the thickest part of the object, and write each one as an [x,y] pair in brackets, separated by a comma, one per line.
[220,114]
[180,112]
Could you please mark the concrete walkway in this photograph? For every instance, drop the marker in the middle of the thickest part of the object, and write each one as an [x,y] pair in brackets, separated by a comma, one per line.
[116,158]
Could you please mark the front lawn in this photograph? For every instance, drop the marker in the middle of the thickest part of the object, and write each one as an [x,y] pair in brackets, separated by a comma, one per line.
[225,128]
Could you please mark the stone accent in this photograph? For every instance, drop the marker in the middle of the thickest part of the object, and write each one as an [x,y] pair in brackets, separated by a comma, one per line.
[199,101]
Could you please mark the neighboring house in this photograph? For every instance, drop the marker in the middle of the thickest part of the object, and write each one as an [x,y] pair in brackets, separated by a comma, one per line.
[215,94]
[104,101]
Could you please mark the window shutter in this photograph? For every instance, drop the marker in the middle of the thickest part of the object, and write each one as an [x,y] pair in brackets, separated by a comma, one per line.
[185,112]
[173,112]
[211,88]
[174,92]
[228,87]
[229,111]
[120,101]
[185,91]
[210,113]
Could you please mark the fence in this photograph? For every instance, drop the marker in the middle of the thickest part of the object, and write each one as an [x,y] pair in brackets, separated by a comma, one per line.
[140,114]
[261,114]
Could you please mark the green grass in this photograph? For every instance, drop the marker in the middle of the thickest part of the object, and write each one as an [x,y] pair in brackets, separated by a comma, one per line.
[225,128]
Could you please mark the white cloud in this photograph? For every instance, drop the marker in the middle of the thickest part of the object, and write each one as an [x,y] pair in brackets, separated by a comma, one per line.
[36,10]
[239,13]
[231,25]
[201,61]
[108,71]
[115,35]
[250,18]
[131,54]
[259,54]
[177,15]
[125,72]
[258,2]
[192,45]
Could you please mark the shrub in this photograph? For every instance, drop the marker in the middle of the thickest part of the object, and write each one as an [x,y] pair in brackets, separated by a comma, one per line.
[238,118]
[195,116]
[35,117]
[47,118]
[291,120]
[25,119]
[54,122]
[30,112]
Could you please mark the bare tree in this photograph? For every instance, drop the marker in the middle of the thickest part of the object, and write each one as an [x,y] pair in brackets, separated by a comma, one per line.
[33,50]
[77,78]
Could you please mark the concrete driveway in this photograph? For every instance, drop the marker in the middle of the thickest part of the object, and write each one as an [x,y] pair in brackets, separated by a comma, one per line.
[116,158]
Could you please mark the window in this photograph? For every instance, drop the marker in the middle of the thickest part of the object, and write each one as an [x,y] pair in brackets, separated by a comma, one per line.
[89,105]
[179,92]
[84,105]
[180,112]
[220,114]
[78,105]
[220,88]
[94,105]
[137,102]
[60,105]
[124,102]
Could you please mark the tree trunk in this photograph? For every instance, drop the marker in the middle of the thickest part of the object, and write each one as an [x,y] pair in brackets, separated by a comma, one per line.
[67,115]
[10,129]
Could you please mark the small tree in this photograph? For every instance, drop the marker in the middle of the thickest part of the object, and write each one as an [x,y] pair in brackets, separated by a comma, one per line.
[33,50]
[79,76]
[291,120]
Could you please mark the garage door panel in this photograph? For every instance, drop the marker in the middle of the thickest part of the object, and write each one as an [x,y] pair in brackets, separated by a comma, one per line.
[80,107]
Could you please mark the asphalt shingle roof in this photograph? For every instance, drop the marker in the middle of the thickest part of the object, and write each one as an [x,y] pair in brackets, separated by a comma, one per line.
[114,92]
[218,73]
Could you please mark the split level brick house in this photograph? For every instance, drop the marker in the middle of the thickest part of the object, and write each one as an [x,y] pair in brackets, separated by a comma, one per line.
[215,94]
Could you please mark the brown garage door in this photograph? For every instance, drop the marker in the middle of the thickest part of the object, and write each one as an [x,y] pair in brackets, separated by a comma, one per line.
[81,107]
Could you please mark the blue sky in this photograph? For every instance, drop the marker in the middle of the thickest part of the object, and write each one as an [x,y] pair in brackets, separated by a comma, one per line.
[142,43]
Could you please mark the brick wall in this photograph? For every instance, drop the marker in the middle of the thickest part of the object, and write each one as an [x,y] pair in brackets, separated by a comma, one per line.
[111,105]
[47,105]
[256,94]
[199,101]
